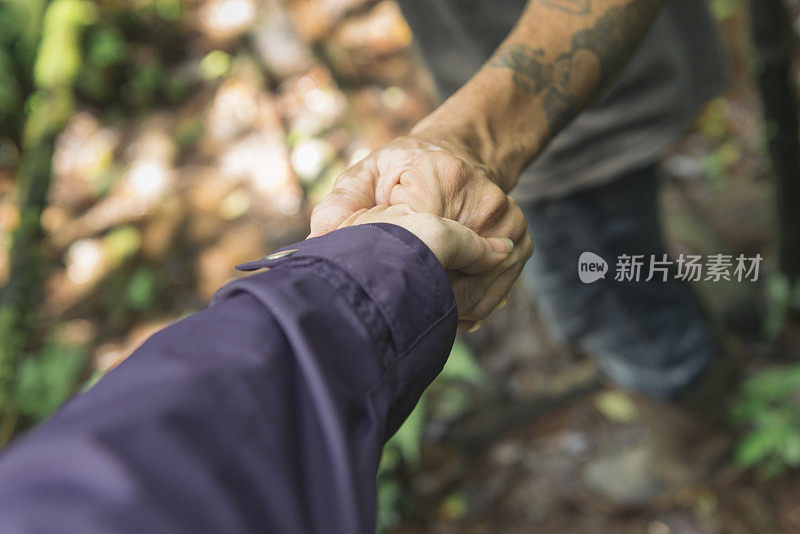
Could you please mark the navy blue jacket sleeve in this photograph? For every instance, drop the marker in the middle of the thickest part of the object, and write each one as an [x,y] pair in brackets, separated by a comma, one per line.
[265,412]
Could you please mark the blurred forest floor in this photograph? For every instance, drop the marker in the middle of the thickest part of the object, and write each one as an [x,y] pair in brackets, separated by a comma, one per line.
[203,132]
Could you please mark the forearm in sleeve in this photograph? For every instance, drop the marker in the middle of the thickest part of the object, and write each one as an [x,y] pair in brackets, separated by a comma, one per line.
[265,412]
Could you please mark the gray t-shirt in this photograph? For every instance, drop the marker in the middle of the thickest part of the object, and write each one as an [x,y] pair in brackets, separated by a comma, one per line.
[678,67]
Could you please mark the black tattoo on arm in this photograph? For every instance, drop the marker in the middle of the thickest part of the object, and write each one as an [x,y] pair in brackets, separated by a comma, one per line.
[576,7]
[609,41]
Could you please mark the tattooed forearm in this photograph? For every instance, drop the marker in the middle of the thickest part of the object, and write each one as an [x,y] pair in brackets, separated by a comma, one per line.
[576,7]
[594,56]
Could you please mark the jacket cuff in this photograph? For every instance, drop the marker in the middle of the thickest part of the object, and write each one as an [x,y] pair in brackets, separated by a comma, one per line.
[395,269]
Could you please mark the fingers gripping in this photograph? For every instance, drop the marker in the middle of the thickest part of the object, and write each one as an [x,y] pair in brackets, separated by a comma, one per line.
[486,294]
[354,190]
[471,253]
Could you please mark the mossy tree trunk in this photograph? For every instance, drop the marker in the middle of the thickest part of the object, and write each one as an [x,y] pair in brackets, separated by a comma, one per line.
[775,43]
[52,73]
[21,295]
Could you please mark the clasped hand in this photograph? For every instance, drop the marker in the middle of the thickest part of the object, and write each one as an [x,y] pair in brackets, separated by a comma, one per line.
[427,187]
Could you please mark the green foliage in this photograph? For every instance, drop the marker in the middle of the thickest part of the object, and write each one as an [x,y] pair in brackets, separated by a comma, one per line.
[123,242]
[455,505]
[408,439]
[169,10]
[461,368]
[20,22]
[188,132]
[47,380]
[20,25]
[33,387]
[140,292]
[723,9]
[10,89]
[445,399]
[119,55]
[461,365]
[215,65]
[21,293]
[390,490]
[47,113]
[11,344]
[616,406]
[714,124]
[105,47]
[769,409]
[717,163]
[59,57]
[783,297]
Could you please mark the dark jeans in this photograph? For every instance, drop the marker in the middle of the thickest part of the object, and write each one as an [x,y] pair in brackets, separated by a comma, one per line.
[649,337]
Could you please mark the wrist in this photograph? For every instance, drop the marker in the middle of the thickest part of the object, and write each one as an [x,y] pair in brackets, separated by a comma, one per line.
[503,150]
[462,139]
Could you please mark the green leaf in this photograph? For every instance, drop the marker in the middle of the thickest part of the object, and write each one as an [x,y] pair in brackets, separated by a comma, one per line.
[390,495]
[215,65]
[46,381]
[455,505]
[95,377]
[106,47]
[59,57]
[451,402]
[10,90]
[791,449]
[774,383]
[141,289]
[461,365]
[408,438]
[724,9]
[616,406]
[755,448]
[169,10]
[780,296]
[123,242]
